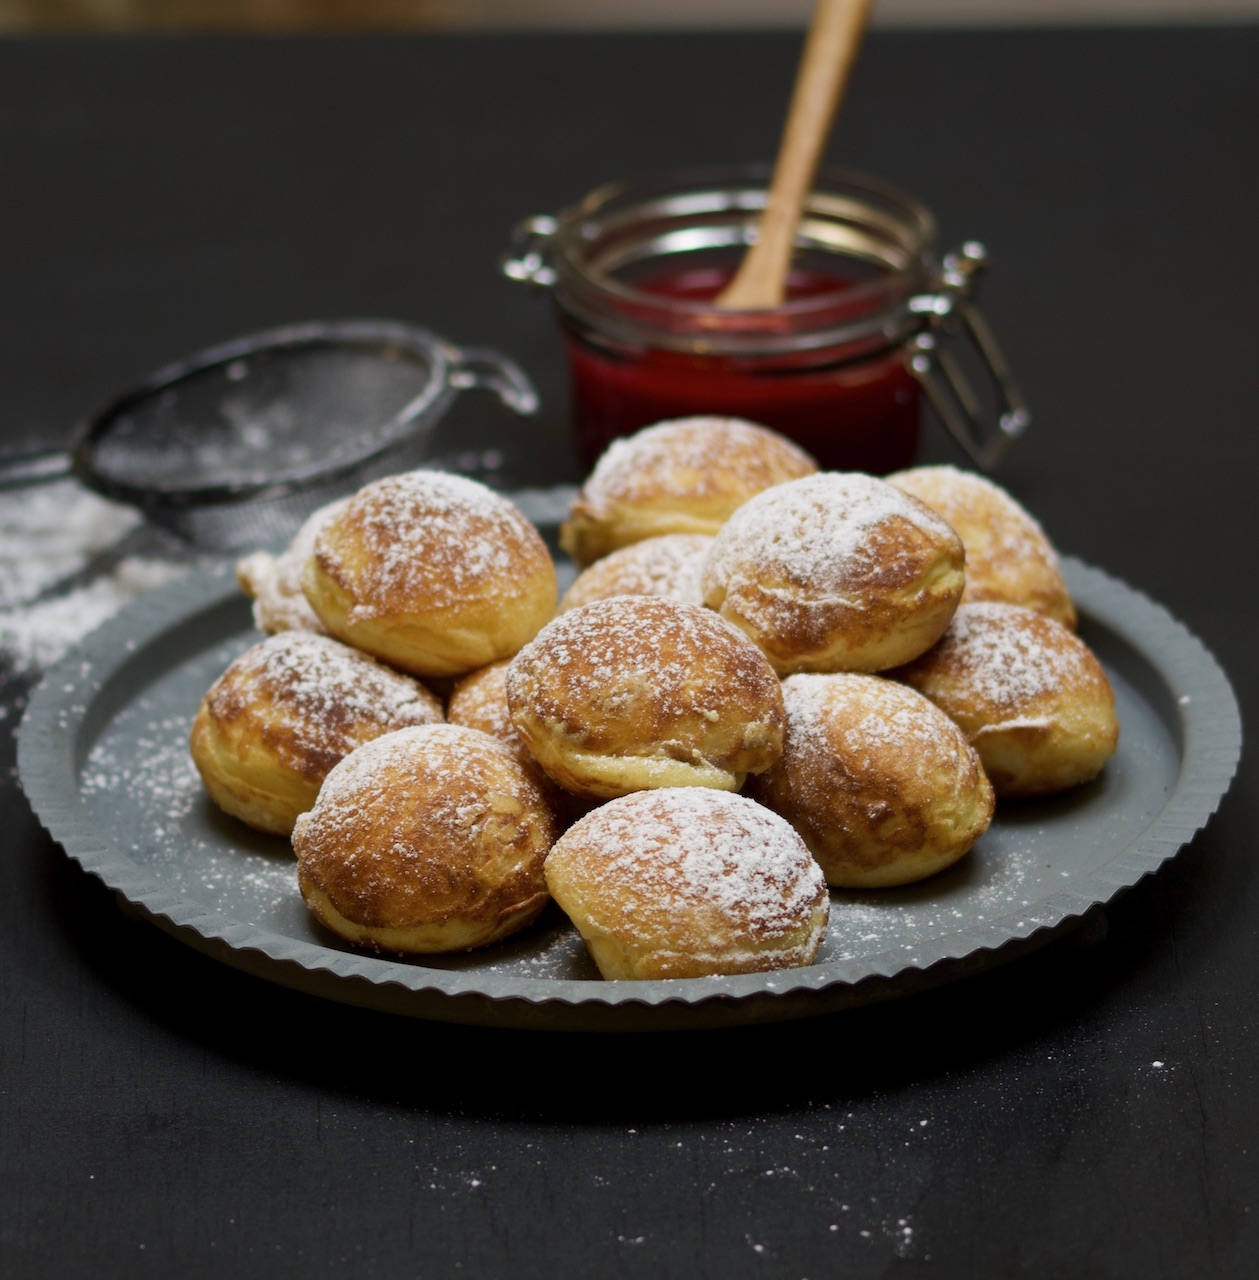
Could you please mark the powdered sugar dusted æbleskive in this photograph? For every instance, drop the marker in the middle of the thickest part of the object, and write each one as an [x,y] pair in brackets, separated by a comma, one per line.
[1030,695]
[836,572]
[682,476]
[668,565]
[434,573]
[637,691]
[274,582]
[688,882]
[285,712]
[1008,556]
[479,701]
[426,840]
[881,784]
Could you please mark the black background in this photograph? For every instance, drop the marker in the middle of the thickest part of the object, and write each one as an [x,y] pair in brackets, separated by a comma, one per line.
[161,1115]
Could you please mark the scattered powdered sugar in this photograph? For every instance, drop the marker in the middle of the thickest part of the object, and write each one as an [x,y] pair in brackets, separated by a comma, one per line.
[676,847]
[49,532]
[139,779]
[819,532]
[50,537]
[550,949]
[158,775]
[995,880]
[35,635]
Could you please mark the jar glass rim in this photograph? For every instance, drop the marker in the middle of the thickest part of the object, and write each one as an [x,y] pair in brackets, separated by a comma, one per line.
[849,214]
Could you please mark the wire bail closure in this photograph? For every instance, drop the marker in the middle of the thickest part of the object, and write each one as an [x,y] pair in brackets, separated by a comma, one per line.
[531,265]
[952,322]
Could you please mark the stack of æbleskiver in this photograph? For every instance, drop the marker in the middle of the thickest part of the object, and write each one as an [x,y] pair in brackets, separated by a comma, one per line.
[765,680]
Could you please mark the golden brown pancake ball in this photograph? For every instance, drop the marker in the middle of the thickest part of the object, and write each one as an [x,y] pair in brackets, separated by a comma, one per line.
[284,712]
[1029,694]
[665,566]
[274,583]
[429,839]
[881,784]
[687,882]
[836,572]
[638,691]
[682,476]
[1008,556]
[479,701]
[434,573]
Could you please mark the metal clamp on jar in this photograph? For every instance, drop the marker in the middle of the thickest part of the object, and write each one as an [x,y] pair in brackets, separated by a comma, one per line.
[872,320]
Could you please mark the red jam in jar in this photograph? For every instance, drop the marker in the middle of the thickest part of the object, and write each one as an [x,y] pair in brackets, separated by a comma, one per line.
[858,414]
[635,267]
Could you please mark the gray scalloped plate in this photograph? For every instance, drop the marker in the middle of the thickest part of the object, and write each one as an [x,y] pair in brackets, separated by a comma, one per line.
[103,758]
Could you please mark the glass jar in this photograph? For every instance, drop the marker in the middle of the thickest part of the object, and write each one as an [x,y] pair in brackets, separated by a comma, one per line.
[868,322]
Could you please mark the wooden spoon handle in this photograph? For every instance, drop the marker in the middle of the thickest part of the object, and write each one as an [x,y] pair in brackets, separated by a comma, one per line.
[829,52]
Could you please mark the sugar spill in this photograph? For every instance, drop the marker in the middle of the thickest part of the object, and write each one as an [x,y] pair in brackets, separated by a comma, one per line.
[50,536]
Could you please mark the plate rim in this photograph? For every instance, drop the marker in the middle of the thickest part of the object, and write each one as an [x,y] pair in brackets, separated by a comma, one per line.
[49,769]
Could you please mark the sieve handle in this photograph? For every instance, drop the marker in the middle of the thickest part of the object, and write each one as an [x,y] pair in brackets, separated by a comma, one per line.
[481,367]
[34,468]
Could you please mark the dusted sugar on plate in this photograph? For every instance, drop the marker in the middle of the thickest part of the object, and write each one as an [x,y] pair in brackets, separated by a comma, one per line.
[689,882]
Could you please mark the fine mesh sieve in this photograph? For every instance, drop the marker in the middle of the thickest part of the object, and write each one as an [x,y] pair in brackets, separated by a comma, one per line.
[233,447]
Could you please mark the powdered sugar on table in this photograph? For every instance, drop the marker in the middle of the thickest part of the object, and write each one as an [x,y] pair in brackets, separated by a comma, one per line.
[48,535]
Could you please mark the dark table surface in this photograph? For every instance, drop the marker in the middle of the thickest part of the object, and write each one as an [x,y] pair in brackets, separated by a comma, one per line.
[164,1115]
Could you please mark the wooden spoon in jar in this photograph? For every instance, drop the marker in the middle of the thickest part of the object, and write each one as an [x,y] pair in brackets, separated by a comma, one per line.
[829,52]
